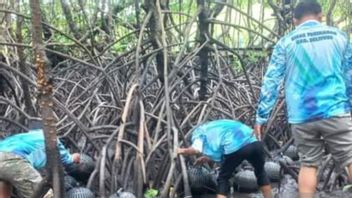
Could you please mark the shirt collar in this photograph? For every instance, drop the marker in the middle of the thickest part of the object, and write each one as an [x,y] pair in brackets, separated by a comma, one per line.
[308,23]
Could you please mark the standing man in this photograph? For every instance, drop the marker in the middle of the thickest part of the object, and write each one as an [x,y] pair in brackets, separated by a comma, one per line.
[229,142]
[314,61]
[22,155]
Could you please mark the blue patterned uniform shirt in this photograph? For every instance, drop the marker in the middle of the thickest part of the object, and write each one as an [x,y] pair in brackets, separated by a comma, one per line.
[314,61]
[31,146]
[221,137]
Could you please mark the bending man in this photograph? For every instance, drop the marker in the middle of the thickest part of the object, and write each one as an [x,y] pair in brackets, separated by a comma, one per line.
[229,143]
[22,155]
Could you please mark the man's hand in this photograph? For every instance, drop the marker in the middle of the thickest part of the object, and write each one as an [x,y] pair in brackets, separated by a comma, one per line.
[202,160]
[258,131]
[76,158]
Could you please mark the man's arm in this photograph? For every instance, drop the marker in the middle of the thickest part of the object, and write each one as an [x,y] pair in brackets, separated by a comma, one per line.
[187,151]
[65,156]
[347,70]
[270,88]
[196,148]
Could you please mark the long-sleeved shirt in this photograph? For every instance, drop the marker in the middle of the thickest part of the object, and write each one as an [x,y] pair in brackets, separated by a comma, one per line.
[315,63]
[221,137]
[31,146]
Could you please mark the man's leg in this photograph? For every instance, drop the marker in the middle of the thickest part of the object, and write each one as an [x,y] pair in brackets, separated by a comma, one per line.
[256,157]
[229,165]
[349,172]
[27,180]
[337,133]
[5,189]
[310,146]
[20,174]
[307,181]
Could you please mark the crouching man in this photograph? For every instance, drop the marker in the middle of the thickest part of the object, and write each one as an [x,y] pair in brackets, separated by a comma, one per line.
[229,142]
[22,155]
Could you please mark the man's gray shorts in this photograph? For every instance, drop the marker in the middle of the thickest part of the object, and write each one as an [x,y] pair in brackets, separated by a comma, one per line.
[335,133]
